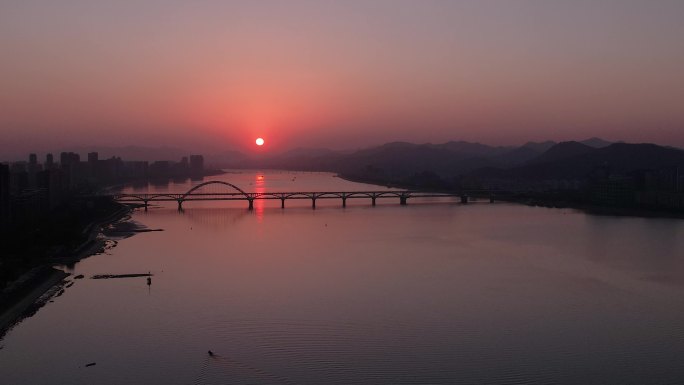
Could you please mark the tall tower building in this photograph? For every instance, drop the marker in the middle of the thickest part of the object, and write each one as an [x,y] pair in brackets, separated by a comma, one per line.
[196,164]
[32,170]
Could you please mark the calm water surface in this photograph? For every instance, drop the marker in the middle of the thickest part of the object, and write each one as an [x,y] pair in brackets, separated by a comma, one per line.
[429,293]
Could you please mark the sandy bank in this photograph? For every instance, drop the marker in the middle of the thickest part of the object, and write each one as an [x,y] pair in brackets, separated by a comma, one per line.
[29,301]
[33,289]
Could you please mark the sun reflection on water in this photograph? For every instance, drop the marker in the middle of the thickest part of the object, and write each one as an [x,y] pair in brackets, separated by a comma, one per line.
[259,204]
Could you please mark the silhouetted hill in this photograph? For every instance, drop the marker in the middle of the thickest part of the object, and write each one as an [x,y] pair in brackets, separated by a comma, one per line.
[517,156]
[596,142]
[573,160]
[400,159]
[539,147]
[624,157]
[472,149]
[562,151]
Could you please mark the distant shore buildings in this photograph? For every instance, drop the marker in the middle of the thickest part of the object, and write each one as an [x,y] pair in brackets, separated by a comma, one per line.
[30,190]
[649,188]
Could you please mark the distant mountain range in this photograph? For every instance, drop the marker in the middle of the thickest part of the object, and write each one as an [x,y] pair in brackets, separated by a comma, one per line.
[460,150]
[402,162]
[574,160]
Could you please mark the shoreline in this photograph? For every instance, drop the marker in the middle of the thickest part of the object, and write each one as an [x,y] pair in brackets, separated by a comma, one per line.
[606,210]
[636,212]
[37,286]
[35,297]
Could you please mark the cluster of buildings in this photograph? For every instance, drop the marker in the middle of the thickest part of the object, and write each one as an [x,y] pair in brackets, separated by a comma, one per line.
[656,188]
[30,189]
[651,188]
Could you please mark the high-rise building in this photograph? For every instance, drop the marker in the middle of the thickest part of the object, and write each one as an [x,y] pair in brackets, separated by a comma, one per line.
[95,169]
[160,168]
[70,163]
[32,170]
[68,158]
[135,169]
[51,181]
[49,161]
[196,164]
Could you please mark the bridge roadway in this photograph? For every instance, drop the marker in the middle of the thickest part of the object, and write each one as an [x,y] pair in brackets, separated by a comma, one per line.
[250,197]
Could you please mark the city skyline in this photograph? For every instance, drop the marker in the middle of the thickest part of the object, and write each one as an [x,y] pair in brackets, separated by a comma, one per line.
[342,75]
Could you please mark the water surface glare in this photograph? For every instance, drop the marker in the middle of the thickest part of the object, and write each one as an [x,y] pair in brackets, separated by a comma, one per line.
[429,293]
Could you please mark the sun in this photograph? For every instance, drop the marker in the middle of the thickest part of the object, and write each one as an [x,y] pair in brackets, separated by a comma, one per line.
[260,141]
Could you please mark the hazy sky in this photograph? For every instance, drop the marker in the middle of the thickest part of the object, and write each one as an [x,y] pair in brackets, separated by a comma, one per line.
[339,74]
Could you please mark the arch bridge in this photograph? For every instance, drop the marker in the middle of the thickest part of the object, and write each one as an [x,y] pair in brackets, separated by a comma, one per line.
[237,194]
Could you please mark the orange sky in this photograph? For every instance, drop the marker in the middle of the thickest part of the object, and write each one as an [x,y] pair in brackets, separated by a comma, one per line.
[342,74]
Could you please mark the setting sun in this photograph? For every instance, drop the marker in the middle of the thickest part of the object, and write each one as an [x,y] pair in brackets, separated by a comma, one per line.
[260,141]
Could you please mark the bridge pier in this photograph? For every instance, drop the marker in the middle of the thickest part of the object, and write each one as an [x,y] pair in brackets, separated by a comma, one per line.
[372,201]
[180,205]
[402,201]
[145,205]
[313,203]
[344,201]
[251,204]
[282,203]
[464,198]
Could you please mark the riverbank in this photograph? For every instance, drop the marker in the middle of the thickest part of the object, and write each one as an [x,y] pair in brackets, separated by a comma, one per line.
[30,294]
[603,210]
[31,290]
[543,201]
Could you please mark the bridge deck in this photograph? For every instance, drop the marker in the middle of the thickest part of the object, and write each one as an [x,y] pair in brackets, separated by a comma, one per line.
[241,195]
[281,195]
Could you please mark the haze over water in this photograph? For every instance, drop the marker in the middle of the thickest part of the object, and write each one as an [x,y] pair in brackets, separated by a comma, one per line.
[432,292]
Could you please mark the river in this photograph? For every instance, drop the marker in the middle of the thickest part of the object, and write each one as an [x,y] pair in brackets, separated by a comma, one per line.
[435,292]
